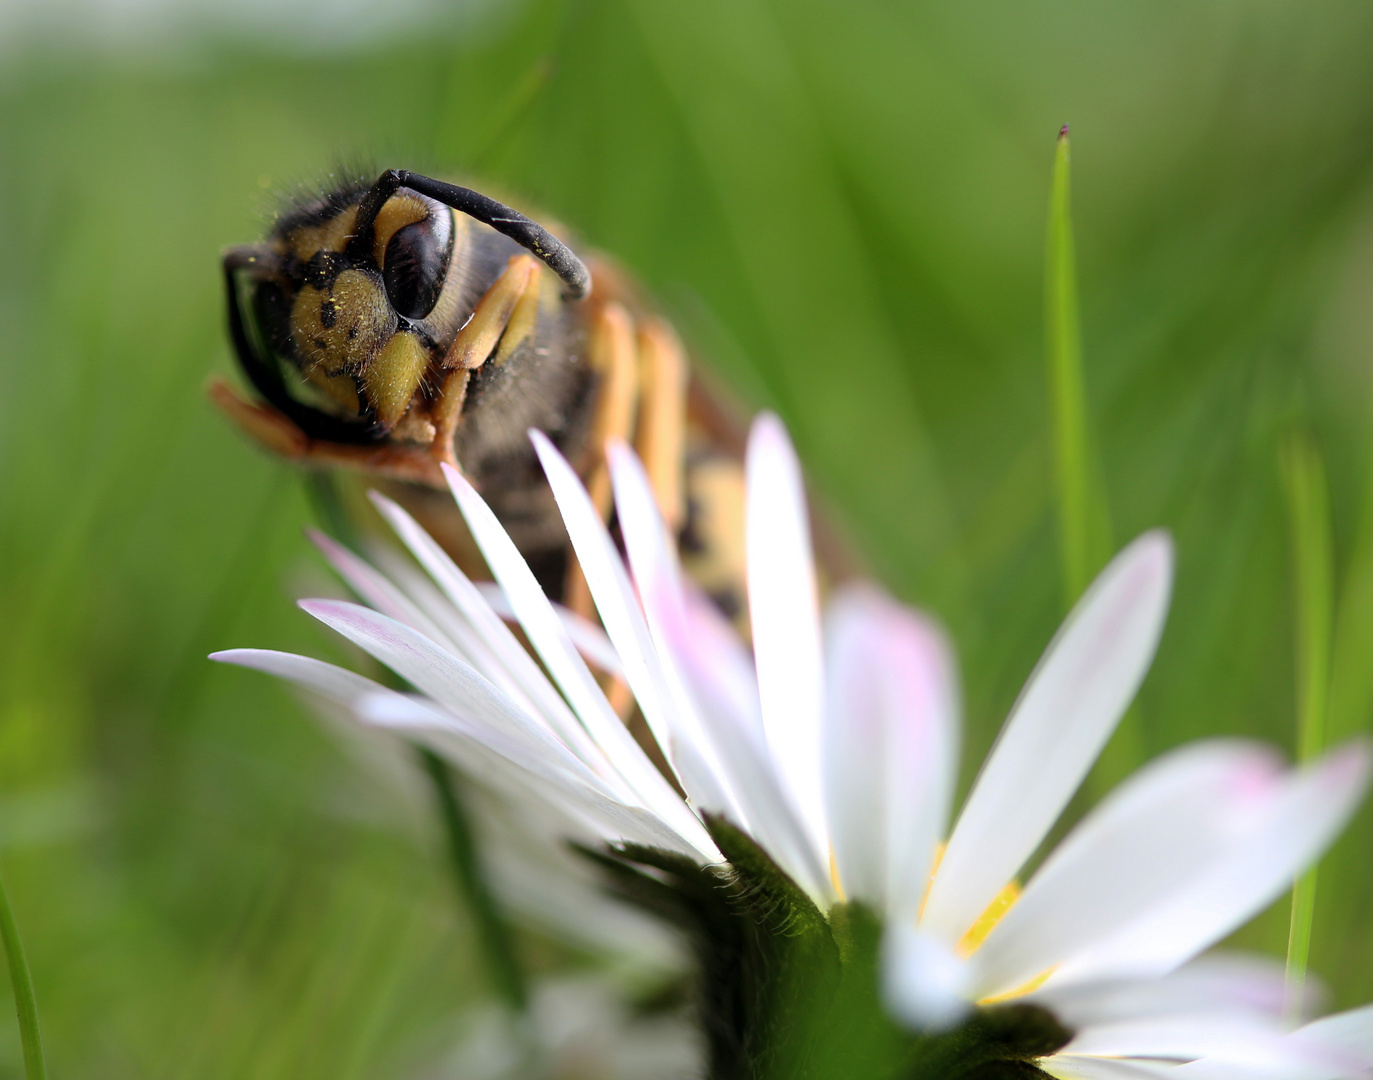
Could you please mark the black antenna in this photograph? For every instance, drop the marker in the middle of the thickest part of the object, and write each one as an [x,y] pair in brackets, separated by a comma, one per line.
[528,234]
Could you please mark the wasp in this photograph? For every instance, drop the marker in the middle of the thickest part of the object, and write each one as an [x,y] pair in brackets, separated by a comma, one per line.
[389,327]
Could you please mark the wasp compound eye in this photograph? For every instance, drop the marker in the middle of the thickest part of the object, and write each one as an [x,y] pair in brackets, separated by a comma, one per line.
[416,263]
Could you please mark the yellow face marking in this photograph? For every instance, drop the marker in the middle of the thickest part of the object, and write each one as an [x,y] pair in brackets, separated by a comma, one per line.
[339,388]
[340,330]
[399,211]
[392,378]
[332,235]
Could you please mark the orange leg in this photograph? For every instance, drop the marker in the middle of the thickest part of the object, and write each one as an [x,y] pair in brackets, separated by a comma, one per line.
[615,360]
[510,306]
[281,435]
[660,439]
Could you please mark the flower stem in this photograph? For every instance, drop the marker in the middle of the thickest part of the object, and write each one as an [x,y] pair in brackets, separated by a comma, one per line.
[1308,504]
[35,1068]
[493,931]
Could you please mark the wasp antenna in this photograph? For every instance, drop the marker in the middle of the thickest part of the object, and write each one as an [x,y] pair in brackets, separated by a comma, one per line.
[504,219]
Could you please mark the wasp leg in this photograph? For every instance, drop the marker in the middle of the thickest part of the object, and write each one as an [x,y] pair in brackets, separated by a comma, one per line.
[660,439]
[279,433]
[615,360]
[509,305]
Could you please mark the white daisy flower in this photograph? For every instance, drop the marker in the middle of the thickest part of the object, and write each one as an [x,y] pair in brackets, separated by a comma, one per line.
[834,747]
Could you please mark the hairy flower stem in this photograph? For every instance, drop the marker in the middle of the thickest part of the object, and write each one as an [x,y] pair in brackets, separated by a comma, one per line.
[493,931]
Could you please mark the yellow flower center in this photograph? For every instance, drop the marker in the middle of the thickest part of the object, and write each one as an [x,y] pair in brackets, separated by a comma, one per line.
[976,934]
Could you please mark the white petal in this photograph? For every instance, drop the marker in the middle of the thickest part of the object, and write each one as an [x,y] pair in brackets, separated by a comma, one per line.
[455,687]
[1072,1067]
[590,639]
[1156,834]
[924,985]
[1290,831]
[569,670]
[522,777]
[507,662]
[890,746]
[785,618]
[708,667]
[1067,711]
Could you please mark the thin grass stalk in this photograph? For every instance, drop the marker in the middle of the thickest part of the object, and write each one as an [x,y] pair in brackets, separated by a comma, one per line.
[1063,341]
[1308,505]
[35,1067]
[495,936]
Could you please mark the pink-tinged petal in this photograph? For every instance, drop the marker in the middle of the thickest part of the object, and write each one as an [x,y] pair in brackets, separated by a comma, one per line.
[505,660]
[590,639]
[666,593]
[1067,711]
[569,670]
[1269,850]
[1215,1047]
[480,739]
[1290,1068]
[1157,834]
[1220,983]
[1348,1034]
[374,588]
[624,622]
[890,746]
[785,617]
[924,985]
[1181,1038]
[711,673]
[769,810]
[337,684]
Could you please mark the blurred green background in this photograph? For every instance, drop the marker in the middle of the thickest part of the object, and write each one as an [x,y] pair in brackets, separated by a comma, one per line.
[843,205]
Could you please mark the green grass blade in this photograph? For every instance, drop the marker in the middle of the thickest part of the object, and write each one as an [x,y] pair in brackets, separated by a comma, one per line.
[35,1068]
[1084,527]
[1308,505]
[1063,340]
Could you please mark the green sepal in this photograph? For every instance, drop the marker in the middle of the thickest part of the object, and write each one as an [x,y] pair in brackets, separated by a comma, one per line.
[786,993]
